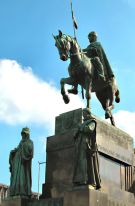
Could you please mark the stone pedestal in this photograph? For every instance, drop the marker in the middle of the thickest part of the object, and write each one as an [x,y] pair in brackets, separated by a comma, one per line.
[116,156]
[15,201]
[116,160]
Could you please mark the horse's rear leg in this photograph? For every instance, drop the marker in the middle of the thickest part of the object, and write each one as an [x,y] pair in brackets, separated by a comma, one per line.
[108,109]
[88,92]
[107,106]
[112,120]
[108,113]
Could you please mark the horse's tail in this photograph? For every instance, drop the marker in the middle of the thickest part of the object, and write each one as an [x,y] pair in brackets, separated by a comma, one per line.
[117,96]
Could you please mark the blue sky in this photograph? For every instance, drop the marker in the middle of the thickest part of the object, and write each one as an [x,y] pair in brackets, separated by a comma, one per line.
[30,68]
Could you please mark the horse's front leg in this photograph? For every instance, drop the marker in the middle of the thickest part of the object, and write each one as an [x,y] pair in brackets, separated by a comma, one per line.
[64,81]
[88,91]
[63,92]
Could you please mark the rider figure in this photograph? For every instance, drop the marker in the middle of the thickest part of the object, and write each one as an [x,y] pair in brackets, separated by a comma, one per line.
[95,49]
[99,59]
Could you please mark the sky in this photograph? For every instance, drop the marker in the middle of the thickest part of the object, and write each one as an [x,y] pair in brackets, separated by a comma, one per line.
[30,68]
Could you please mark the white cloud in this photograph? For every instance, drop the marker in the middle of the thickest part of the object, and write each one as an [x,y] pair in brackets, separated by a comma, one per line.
[25,98]
[126,121]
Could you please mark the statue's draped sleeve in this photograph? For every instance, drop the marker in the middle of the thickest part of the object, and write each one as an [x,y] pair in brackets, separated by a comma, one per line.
[27,150]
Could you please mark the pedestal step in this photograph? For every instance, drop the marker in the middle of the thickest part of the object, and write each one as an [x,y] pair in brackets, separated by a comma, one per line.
[46,202]
[15,201]
[83,196]
[112,202]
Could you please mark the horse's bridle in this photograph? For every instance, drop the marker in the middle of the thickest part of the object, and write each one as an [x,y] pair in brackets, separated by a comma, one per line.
[66,47]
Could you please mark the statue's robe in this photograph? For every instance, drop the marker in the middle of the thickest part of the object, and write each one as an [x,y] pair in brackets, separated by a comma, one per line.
[95,49]
[86,167]
[20,166]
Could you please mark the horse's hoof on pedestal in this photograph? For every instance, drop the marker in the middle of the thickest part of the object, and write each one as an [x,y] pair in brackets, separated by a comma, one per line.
[107,115]
[66,99]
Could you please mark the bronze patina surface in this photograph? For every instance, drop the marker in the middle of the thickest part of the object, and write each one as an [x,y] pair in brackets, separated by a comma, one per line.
[86,166]
[88,71]
[20,166]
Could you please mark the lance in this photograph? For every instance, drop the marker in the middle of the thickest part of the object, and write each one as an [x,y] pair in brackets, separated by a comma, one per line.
[75,26]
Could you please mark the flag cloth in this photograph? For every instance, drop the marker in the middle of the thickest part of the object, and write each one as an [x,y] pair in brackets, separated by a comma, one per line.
[73,17]
[74,21]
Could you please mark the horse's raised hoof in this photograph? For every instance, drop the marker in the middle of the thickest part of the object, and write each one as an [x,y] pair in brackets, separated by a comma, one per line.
[73,91]
[117,99]
[117,96]
[66,99]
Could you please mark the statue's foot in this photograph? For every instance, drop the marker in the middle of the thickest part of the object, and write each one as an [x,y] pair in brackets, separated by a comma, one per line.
[98,187]
[73,91]
[91,187]
[94,187]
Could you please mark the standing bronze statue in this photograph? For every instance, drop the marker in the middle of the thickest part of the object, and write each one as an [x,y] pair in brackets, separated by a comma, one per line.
[90,73]
[20,160]
[86,170]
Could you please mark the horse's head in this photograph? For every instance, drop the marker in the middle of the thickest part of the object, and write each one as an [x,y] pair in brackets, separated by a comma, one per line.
[63,44]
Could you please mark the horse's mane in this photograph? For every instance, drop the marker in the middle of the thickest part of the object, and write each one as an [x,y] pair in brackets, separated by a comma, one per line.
[69,38]
[73,40]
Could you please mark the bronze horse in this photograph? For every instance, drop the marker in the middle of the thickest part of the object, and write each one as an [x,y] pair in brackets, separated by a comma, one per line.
[82,72]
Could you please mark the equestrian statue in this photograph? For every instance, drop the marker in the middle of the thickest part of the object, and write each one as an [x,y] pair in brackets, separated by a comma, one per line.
[90,69]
